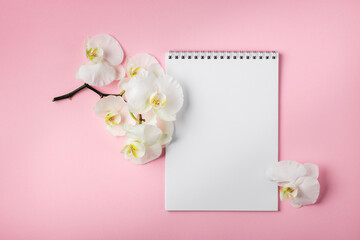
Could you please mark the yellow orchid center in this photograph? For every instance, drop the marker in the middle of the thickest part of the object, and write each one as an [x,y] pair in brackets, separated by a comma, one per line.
[112,118]
[134,149]
[289,190]
[157,100]
[94,54]
[134,71]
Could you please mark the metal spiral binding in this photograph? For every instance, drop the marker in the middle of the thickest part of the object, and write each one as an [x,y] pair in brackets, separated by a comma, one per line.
[221,55]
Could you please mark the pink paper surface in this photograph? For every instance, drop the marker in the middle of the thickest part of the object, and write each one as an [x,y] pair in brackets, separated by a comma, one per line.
[62,175]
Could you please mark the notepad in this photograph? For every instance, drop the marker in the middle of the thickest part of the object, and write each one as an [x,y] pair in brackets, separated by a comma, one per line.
[226,134]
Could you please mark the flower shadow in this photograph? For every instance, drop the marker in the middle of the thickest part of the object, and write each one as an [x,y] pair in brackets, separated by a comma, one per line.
[324,186]
[181,115]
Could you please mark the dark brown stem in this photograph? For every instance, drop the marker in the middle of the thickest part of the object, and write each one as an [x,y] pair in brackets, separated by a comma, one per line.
[141,120]
[71,94]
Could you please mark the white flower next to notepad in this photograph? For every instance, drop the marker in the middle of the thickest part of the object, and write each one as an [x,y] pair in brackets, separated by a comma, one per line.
[115,112]
[162,94]
[298,182]
[104,54]
[143,143]
[139,63]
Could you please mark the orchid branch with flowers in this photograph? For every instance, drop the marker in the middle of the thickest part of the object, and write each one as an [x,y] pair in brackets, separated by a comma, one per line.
[145,108]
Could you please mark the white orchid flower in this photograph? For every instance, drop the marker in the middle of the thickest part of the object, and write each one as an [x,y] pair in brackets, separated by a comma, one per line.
[140,63]
[163,95]
[115,112]
[298,181]
[104,53]
[143,144]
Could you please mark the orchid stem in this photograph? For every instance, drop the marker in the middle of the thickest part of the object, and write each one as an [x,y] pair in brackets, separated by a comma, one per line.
[71,94]
[140,120]
[133,116]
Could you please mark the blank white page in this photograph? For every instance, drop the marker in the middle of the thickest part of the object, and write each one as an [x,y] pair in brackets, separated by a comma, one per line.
[226,134]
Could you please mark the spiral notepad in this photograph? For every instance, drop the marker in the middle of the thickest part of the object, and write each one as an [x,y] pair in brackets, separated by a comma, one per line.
[226,135]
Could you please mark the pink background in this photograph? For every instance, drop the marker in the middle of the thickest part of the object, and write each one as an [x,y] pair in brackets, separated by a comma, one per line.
[62,175]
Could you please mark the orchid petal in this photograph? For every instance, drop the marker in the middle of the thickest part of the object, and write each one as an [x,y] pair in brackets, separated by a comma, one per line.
[125,115]
[98,74]
[164,140]
[309,190]
[312,170]
[294,203]
[285,171]
[151,153]
[156,69]
[282,195]
[161,113]
[120,72]
[173,92]
[113,52]
[168,129]
[150,118]
[142,60]
[165,126]
[138,91]
[109,103]
[145,133]
[123,82]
